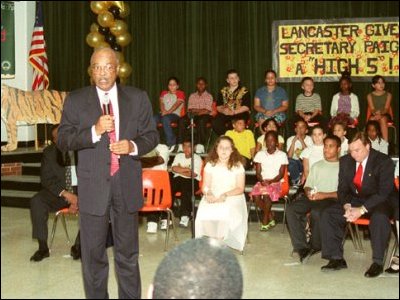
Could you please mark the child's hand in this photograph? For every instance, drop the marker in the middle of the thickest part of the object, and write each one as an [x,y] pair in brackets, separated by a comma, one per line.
[265,182]
[210,198]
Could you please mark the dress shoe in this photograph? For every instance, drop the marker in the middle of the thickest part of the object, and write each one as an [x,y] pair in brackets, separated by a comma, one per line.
[374,270]
[334,265]
[40,254]
[76,252]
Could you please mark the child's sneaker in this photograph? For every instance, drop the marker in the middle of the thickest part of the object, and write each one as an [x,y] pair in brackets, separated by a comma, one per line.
[163,224]
[151,227]
[184,221]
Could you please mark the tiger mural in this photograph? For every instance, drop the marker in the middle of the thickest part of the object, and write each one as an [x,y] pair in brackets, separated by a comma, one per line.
[43,106]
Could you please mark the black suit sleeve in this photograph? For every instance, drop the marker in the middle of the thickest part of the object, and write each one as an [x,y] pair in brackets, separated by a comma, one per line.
[383,176]
[71,134]
[148,137]
[344,187]
[51,174]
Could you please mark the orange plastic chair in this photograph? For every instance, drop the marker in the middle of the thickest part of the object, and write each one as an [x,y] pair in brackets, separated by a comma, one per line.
[60,214]
[157,197]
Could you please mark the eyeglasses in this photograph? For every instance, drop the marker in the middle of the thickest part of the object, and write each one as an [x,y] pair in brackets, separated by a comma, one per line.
[107,68]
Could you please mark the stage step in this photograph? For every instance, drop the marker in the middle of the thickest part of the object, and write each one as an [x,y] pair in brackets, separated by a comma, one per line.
[31,168]
[21,182]
[16,198]
[18,190]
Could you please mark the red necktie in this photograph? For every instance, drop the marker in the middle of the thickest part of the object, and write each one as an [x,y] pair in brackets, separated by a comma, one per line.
[112,136]
[357,178]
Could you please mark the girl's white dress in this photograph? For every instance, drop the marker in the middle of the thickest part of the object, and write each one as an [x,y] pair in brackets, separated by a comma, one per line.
[223,220]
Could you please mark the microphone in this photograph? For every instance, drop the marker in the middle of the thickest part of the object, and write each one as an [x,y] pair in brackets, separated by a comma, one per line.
[106,104]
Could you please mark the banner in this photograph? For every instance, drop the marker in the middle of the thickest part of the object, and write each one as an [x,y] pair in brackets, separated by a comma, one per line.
[322,49]
[7,40]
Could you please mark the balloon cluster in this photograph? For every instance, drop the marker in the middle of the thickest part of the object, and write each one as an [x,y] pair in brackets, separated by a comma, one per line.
[111,31]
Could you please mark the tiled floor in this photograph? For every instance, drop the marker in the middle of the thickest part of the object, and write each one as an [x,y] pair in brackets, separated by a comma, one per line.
[268,268]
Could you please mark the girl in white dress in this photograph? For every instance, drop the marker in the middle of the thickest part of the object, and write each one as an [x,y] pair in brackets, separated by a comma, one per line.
[222,212]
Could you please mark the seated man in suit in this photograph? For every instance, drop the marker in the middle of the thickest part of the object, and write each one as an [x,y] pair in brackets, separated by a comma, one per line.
[58,191]
[365,189]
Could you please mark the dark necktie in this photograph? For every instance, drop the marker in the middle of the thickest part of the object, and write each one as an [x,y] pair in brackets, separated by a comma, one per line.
[357,178]
[112,136]
[68,177]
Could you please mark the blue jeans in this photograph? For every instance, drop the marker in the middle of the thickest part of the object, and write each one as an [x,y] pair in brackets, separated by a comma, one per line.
[166,122]
[295,169]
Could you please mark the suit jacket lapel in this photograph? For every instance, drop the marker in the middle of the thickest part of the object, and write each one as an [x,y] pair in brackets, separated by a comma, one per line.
[123,111]
[93,102]
[368,168]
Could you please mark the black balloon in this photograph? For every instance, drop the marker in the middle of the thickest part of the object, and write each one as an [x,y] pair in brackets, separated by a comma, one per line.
[116,47]
[104,30]
[110,38]
[115,11]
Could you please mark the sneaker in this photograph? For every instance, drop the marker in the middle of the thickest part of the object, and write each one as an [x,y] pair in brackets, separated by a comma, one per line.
[163,224]
[184,221]
[151,227]
[199,149]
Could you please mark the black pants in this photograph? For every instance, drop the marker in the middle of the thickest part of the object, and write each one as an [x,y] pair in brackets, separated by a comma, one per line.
[333,226]
[201,128]
[297,219]
[42,204]
[184,185]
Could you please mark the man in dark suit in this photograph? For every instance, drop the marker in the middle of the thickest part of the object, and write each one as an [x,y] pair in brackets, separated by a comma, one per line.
[52,197]
[109,144]
[365,189]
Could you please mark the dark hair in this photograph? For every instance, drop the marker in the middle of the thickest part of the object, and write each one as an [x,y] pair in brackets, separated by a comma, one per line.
[199,269]
[239,117]
[173,78]
[333,138]
[266,122]
[306,78]
[376,78]
[341,123]
[362,136]
[301,120]
[318,127]
[345,76]
[235,158]
[231,71]
[201,79]
[269,71]
[377,127]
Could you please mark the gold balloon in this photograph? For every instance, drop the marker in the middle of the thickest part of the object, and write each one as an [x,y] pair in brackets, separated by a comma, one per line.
[94,39]
[94,27]
[99,7]
[102,44]
[123,8]
[120,57]
[119,27]
[124,39]
[124,70]
[105,19]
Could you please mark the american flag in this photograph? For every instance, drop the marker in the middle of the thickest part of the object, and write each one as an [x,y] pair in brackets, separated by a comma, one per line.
[37,54]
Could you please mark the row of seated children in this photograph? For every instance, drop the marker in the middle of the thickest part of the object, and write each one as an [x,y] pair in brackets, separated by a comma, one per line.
[271,101]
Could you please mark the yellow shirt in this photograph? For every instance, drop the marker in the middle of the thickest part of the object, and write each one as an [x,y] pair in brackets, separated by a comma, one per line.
[244,141]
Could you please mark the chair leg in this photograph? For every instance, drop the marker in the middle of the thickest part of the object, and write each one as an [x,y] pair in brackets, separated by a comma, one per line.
[358,236]
[353,238]
[53,231]
[65,228]
[284,214]
[170,218]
